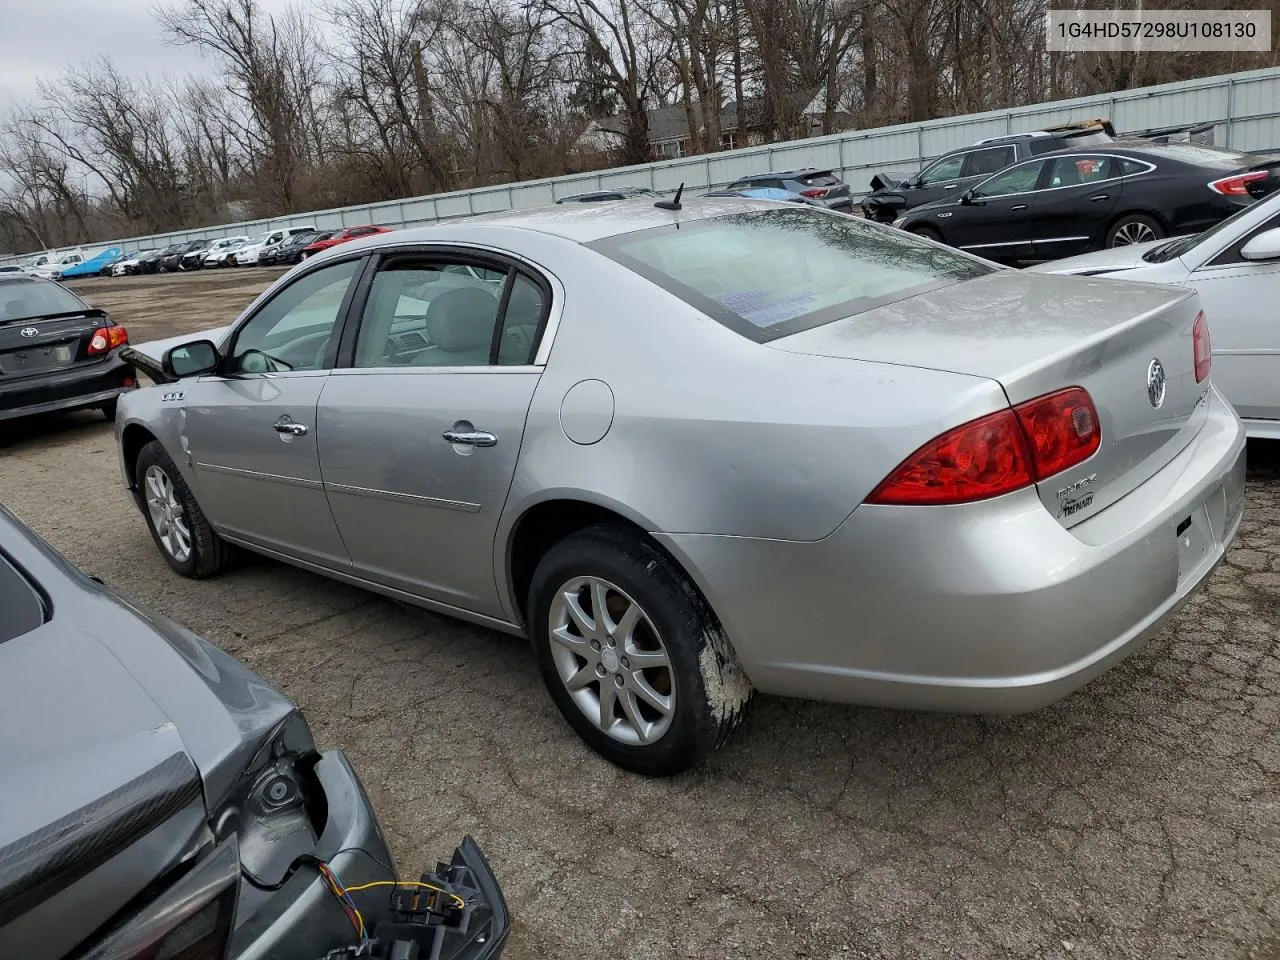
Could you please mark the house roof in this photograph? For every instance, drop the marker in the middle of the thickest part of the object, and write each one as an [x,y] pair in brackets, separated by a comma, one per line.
[672,123]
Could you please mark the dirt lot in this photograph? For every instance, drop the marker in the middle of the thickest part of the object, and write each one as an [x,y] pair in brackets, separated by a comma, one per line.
[1139,818]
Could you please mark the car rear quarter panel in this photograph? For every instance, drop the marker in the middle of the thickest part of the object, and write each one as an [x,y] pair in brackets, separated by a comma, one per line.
[711,432]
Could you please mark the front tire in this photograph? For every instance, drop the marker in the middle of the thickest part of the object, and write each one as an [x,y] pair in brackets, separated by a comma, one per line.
[929,233]
[632,655]
[1134,228]
[177,524]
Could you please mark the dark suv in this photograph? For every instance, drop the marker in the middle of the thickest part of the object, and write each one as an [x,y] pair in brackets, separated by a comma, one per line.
[953,173]
[822,187]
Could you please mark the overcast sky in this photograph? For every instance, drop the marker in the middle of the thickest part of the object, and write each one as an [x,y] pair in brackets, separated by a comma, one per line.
[40,37]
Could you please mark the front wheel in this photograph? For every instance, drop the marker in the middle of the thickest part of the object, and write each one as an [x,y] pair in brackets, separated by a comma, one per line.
[929,233]
[177,524]
[1134,228]
[631,654]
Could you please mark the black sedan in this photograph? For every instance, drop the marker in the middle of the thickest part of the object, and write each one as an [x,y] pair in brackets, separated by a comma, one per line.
[56,351]
[1082,199]
[290,251]
[160,800]
[151,262]
[173,261]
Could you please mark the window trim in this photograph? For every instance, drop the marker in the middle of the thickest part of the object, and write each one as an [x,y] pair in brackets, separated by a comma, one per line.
[227,347]
[484,257]
[1045,158]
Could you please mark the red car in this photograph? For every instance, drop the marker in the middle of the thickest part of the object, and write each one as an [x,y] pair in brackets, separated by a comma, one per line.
[342,236]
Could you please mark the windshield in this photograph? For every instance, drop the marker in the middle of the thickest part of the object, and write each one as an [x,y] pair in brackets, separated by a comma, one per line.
[27,299]
[771,273]
[1180,245]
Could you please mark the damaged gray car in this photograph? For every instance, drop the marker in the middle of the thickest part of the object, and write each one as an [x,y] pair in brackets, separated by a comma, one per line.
[159,801]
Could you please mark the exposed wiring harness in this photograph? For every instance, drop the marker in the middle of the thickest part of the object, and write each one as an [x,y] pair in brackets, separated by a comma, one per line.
[343,893]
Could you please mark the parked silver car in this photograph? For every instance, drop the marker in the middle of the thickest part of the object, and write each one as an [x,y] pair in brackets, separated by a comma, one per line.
[691,451]
[1235,267]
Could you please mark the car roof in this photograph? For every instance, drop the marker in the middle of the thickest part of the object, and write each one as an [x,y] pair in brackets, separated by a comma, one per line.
[802,172]
[1198,154]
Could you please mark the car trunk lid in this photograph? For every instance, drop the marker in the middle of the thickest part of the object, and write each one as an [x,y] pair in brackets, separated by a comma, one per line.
[1035,334]
[31,346]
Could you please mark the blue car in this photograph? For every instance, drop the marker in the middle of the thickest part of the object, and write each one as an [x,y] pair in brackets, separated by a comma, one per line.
[93,266]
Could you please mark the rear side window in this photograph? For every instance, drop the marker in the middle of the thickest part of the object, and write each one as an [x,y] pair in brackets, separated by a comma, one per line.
[23,606]
[981,162]
[27,299]
[770,273]
[1131,167]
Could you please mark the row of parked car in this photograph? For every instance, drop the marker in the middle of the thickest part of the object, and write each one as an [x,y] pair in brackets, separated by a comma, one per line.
[283,246]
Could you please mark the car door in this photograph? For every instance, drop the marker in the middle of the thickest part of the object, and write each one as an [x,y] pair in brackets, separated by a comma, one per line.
[937,181]
[250,432]
[994,219]
[419,435]
[1239,298]
[1081,193]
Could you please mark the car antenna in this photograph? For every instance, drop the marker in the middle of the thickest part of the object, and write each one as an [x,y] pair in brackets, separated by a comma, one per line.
[671,204]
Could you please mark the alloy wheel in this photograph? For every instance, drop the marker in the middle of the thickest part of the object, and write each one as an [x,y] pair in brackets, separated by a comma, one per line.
[167,516]
[612,661]
[1133,232]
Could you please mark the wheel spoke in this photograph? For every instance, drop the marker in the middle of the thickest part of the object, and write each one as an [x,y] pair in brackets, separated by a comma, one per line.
[649,695]
[632,711]
[647,659]
[626,625]
[585,675]
[585,624]
[599,609]
[607,697]
[571,640]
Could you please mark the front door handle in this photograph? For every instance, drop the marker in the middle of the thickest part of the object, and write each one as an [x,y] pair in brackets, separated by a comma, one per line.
[1018,206]
[950,186]
[471,438]
[286,425]
[1101,196]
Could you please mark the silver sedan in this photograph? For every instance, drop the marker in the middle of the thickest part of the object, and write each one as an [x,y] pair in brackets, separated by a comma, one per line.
[1235,267]
[699,451]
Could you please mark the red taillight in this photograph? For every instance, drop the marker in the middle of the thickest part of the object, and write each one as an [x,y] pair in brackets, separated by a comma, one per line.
[815,193]
[1202,347]
[1062,429]
[108,338]
[1238,185]
[997,454]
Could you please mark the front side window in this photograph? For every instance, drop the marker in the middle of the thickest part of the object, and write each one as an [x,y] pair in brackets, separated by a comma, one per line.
[436,312]
[948,168]
[770,273]
[981,162]
[292,330]
[1019,179]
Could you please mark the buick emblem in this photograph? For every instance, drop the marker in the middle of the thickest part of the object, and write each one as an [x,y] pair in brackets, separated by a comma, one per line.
[1155,383]
[29,332]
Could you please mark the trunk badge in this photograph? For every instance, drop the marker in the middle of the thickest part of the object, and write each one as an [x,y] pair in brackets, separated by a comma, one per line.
[1156,383]
[29,332]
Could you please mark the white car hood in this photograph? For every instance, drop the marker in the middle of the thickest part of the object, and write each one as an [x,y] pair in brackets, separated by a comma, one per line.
[1115,259]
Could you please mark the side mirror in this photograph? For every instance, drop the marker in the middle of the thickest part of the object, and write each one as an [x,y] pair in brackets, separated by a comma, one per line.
[191,359]
[1265,246]
[966,198]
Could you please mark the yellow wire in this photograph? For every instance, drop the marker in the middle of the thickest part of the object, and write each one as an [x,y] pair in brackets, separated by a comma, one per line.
[331,877]
[407,883]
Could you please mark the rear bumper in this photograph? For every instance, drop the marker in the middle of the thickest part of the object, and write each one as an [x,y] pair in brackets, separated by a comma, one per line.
[76,388]
[987,607]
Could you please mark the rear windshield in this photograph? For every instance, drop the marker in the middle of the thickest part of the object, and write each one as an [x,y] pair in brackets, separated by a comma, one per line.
[1202,156]
[27,299]
[771,273]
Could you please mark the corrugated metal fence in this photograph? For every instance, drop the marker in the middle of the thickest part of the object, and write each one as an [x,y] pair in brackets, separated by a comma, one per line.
[1244,108]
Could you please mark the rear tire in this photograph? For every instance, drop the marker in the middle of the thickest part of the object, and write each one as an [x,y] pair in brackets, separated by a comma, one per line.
[177,524]
[601,602]
[1135,228]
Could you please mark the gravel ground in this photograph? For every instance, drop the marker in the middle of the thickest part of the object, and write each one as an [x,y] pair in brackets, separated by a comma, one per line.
[1138,818]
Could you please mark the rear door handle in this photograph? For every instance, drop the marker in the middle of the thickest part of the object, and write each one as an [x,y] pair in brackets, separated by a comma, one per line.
[471,438]
[1019,206]
[1101,196]
[286,425]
